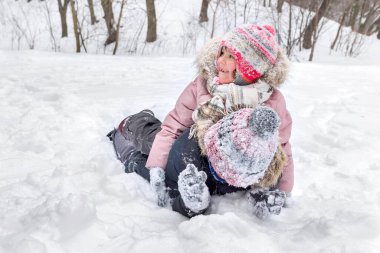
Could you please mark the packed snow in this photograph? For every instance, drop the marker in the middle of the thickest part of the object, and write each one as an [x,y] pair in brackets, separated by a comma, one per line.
[63,190]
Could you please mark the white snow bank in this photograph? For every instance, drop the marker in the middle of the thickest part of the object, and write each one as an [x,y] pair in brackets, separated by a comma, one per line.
[62,189]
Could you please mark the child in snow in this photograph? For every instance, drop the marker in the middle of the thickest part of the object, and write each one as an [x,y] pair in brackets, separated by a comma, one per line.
[229,130]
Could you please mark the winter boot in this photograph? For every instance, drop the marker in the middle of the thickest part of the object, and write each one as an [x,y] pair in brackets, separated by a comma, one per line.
[266,202]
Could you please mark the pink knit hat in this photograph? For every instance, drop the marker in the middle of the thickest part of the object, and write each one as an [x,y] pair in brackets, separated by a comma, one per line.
[254,49]
[241,145]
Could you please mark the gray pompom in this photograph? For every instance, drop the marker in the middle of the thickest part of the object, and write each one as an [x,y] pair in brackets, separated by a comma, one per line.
[264,121]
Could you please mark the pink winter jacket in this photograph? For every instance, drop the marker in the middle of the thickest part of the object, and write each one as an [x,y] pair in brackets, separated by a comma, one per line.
[180,119]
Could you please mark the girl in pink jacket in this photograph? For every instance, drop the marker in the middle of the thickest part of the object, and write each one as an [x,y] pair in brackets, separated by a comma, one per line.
[228,131]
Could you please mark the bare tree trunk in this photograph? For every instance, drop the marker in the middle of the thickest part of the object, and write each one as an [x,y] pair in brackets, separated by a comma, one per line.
[151,34]
[265,3]
[353,45]
[52,38]
[303,19]
[315,38]
[313,25]
[235,13]
[92,12]
[118,26]
[353,16]
[108,16]
[288,46]
[374,27]
[311,56]
[203,15]
[245,11]
[280,3]
[213,18]
[372,18]
[378,35]
[75,25]
[62,8]
[340,28]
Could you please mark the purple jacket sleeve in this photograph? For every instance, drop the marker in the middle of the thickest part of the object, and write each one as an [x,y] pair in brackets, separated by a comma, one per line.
[177,121]
[277,102]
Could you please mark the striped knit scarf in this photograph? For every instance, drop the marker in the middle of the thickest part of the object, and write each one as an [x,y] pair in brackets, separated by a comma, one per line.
[226,98]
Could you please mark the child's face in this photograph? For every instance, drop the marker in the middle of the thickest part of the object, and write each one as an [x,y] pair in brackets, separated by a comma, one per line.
[226,66]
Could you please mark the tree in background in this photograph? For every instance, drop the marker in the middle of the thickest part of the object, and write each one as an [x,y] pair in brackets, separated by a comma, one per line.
[215,10]
[280,3]
[75,25]
[151,34]
[109,19]
[123,2]
[369,21]
[269,3]
[342,22]
[298,29]
[290,28]
[62,8]
[92,12]
[312,27]
[363,16]
[247,8]
[203,15]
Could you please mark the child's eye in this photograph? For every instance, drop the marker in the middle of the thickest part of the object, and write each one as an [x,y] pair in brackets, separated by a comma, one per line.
[231,56]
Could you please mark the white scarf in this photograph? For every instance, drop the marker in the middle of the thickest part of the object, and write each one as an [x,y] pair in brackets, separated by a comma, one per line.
[226,98]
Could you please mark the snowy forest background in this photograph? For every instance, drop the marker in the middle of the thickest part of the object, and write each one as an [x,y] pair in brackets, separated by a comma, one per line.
[169,27]
[61,187]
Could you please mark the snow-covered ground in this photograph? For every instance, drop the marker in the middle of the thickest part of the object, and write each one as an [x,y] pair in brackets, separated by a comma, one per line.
[62,189]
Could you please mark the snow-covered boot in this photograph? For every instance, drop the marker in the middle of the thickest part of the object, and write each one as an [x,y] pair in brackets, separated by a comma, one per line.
[266,202]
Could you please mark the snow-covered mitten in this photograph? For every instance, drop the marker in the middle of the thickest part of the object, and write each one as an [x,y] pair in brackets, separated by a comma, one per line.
[193,189]
[157,183]
[266,202]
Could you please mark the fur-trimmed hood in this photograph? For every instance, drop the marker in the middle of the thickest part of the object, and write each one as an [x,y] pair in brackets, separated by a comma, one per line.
[205,63]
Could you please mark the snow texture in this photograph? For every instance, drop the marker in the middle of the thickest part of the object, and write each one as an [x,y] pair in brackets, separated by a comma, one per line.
[157,182]
[63,190]
[193,189]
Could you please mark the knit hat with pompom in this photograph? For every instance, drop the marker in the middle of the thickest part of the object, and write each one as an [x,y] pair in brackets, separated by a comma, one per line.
[241,145]
[254,48]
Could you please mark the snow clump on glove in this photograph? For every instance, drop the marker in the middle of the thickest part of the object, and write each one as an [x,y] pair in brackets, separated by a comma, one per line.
[193,189]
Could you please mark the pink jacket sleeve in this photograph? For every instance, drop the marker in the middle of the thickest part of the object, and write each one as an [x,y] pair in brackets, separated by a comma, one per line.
[177,121]
[278,104]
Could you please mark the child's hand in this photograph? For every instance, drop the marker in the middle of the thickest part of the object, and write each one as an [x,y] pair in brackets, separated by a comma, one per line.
[193,189]
[266,202]
[157,183]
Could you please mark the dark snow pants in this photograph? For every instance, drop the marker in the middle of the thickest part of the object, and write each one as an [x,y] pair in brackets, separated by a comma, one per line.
[133,141]
[183,152]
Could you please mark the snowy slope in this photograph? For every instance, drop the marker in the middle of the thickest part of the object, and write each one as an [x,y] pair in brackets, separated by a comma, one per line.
[62,190]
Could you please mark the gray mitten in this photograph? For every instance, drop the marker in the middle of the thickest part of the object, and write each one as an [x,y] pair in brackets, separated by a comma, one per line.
[266,202]
[193,189]
[157,183]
